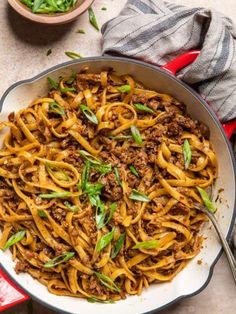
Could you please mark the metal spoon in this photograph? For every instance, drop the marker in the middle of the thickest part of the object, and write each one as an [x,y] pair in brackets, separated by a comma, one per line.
[228,252]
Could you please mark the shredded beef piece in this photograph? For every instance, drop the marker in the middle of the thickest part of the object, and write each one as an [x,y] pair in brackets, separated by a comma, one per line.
[21,267]
[112,190]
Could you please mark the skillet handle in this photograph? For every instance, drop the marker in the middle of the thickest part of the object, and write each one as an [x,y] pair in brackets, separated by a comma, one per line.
[181,62]
[10,294]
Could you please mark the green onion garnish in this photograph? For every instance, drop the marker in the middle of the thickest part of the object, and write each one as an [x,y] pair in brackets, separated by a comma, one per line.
[119,243]
[124,88]
[107,282]
[134,170]
[117,176]
[49,52]
[59,259]
[73,55]
[52,83]
[138,196]
[136,135]
[104,240]
[14,239]
[49,6]
[55,195]
[89,114]
[187,154]
[72,208]
[206,200]
[80,31]
[42,214]
[54,107]
[85,175]
[68,89]
[142,107]
[92,19]
[146,245]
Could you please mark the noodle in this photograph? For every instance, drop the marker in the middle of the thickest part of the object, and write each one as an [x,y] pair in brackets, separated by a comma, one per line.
[95,177]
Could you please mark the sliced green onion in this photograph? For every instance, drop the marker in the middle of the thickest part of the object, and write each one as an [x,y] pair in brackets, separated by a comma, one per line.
[73,55]
[112,210]
[104,240]
[103,169]
[103,8]
[92,19]
[54,107]
[90,157]
[100,214]
[142,107]
[89,114]
[52,83]
[138,196]
[55,195]
[206,200]
[118,245]
[58,174]
[187,154]
[107,282]
[85,175]
[49,52]
[72,208]
[42,214]
[134,170]
[136,135]
[94,189]
[80,31]
[117,176]
[59,259]
[36,5]
[68,89]
[96,300]
[71,79]
[124,88]
[14,239]
[146,245]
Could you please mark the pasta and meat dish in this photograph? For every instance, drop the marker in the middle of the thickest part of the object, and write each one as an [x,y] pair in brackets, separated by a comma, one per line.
[98,182]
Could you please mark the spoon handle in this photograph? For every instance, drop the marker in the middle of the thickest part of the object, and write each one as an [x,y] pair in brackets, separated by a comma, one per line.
[228,252]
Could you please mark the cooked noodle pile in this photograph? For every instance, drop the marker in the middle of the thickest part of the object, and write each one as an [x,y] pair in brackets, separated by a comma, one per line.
[97,187]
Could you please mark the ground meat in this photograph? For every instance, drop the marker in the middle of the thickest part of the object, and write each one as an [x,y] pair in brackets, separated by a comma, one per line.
[155,104]
[11,117]
[21,267]
[112,189]
[58,214]
[133,181]
[174,129]
[140,98]
[110,158]
[205,132]
[155,134]
[185,122]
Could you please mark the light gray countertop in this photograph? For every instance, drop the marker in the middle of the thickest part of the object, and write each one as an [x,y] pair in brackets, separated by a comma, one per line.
[23,49]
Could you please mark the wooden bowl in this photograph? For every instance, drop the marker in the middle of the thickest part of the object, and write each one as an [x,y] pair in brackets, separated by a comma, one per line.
[55,19]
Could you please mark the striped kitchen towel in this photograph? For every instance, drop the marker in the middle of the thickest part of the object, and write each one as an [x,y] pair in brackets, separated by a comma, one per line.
[156,32]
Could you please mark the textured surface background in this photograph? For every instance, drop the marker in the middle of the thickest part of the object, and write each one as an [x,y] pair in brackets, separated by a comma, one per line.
[23,48]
